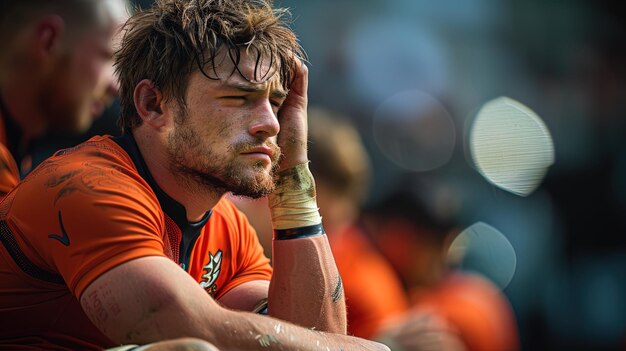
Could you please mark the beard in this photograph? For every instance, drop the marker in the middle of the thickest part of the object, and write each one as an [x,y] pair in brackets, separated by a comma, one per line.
[199,165]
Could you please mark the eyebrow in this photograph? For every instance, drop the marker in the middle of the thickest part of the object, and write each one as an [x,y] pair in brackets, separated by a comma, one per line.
[249,88]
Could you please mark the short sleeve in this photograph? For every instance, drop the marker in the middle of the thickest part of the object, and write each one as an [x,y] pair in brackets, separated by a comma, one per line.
[83,218]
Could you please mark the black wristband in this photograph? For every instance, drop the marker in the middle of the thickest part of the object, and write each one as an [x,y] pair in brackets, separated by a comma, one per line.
[298,233]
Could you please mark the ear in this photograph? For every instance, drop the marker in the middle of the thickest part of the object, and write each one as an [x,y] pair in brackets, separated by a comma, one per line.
[149,103]
[48,34]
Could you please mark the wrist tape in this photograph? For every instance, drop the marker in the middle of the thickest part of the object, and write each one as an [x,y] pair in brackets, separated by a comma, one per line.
[293,206]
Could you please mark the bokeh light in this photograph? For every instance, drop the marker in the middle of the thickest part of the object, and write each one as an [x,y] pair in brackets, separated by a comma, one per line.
[482,248]
[414,130]
[510,146]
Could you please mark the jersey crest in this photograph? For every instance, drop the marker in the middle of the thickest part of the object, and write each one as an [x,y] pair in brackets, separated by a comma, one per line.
[212,272]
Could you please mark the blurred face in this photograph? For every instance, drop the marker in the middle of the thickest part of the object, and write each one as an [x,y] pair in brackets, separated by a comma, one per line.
[83,82]
[225,139]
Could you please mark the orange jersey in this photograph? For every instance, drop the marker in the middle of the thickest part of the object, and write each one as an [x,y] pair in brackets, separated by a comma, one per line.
[476,309]
[9,173]
[372,289]
[88,209]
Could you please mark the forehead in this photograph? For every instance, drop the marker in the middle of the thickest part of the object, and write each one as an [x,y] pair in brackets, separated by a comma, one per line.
[250,69]
[102,30]
[109,16]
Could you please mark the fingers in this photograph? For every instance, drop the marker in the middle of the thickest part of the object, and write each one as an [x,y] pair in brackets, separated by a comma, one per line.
[300,82]
[298,90]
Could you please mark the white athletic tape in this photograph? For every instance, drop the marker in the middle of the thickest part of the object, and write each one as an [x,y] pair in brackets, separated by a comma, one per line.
[293,203]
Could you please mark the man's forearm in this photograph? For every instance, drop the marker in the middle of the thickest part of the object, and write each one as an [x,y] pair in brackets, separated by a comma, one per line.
[306,287]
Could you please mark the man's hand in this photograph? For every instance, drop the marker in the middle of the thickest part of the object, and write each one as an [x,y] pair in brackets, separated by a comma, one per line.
[420,331]
[292,117]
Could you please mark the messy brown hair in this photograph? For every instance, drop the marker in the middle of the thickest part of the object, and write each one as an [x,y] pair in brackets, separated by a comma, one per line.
[173,38]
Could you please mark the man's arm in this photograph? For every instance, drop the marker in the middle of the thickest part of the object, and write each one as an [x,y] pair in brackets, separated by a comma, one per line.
[151,299]
[306,288]
[247,296]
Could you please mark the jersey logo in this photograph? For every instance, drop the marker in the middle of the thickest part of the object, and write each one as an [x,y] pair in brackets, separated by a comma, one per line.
[212,272]
[64,239]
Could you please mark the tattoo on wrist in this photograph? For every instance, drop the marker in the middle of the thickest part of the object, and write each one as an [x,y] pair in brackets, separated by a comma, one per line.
[338,290]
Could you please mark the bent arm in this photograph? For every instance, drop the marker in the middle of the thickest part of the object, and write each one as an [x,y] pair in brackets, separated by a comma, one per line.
[247,296]
[151,299]
[306,288]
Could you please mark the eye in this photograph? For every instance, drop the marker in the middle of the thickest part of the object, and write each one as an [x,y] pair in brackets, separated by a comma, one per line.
[276,103]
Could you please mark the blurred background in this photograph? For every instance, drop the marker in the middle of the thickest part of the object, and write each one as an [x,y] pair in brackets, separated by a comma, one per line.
[560,250]
[566,60]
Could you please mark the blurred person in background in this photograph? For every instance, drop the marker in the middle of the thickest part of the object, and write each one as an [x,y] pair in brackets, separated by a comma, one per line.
[105,108]
[341,168]
[414,232]
[375,295]
[56,73]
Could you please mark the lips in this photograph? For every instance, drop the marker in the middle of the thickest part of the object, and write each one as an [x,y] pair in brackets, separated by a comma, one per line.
[261,150]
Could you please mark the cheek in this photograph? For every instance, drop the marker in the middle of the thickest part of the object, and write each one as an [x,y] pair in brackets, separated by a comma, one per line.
[89,69]
[106,80]
[223,122]
[94,71]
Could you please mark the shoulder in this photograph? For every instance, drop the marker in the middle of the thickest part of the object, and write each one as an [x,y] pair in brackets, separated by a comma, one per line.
[226,211]
[95,173]
[231,225]
[97,162]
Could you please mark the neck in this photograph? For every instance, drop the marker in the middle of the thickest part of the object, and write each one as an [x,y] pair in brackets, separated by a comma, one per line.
[20,96]
[196,198]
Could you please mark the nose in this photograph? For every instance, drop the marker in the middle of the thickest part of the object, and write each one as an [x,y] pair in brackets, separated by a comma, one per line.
[265,122]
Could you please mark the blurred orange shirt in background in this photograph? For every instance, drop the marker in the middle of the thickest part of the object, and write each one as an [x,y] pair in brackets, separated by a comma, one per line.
[373,291]
[475,308]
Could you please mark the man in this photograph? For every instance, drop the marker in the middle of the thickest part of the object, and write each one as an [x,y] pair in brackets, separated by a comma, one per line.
[131,240]
[53,72]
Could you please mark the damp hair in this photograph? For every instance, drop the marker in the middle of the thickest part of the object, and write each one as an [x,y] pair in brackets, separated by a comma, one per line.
[174,38]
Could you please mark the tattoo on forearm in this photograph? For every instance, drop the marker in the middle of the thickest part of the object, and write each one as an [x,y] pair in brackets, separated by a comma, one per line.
[338,290]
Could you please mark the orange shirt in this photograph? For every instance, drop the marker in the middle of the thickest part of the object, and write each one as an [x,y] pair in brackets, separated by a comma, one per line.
[476,309]
[88,209]
[373,292]
[9,173]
